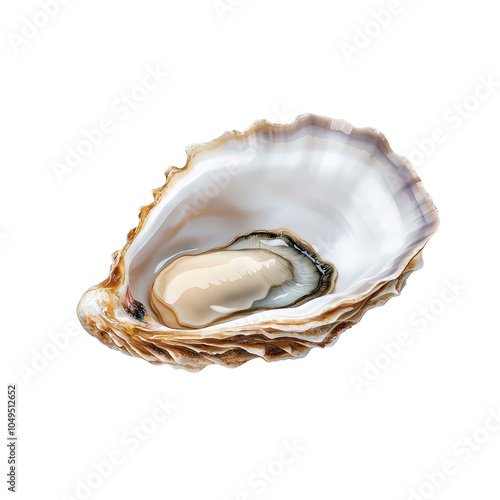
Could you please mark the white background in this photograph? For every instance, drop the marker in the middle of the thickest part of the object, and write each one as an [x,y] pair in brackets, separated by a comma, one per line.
[228,67]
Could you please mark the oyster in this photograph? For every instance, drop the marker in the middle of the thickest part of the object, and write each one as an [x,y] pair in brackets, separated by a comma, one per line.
[267,243]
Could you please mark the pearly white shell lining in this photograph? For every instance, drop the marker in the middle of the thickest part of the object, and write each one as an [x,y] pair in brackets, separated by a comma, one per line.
[360,210]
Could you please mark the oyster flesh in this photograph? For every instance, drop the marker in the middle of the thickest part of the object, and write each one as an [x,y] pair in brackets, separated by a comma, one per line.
[259,270]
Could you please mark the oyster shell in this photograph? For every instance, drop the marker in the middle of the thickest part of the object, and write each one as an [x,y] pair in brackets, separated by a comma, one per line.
[340,191]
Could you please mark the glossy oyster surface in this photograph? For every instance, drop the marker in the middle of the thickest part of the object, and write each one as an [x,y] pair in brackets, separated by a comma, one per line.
[265,244]
[256,271]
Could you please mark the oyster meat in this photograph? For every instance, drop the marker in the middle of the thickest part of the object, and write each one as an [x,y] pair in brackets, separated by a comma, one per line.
[265,244]
[260,270]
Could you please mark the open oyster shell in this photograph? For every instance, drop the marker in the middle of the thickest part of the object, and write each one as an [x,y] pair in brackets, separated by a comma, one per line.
[340,189]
